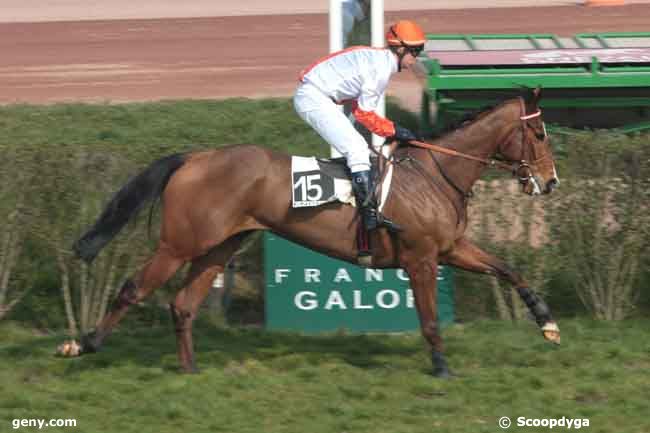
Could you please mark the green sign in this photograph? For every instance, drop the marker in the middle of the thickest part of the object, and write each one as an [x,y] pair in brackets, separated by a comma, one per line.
[307,291]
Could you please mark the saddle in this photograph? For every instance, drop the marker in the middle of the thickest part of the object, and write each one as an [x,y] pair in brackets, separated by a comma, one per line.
[318,181]
[338,169]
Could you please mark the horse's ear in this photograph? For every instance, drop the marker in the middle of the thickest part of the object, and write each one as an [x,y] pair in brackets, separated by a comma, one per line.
[532,97]
[537,94]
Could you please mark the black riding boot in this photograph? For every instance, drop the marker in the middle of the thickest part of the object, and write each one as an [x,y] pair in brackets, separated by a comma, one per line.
[362,188]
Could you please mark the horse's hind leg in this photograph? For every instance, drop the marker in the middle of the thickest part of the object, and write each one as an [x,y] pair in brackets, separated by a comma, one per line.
[160,268]
[468,256]
[197,285]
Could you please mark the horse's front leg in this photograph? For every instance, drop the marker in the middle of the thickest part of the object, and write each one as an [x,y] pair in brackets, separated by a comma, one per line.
[468,256]
[423,273]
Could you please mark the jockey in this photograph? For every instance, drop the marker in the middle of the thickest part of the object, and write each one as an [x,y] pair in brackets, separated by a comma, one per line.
[358,75]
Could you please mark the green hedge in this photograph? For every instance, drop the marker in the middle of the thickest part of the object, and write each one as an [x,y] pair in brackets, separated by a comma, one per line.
[61,163]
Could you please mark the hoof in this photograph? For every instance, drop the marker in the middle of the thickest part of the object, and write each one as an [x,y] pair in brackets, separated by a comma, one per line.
[442,373]
[440,369]
[551,332]
[190,370]
[69,349]
[88,344]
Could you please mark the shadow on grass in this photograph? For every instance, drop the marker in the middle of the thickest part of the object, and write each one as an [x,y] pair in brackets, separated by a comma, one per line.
[484,344]
[217,346]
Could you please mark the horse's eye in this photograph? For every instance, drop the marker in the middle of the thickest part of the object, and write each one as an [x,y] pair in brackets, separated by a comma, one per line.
[540,135]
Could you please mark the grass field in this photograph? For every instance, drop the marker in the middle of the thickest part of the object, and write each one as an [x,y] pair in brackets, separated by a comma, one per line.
[254,381]
[257,381]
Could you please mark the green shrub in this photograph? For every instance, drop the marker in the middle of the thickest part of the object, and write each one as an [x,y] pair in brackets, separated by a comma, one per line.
[62,162]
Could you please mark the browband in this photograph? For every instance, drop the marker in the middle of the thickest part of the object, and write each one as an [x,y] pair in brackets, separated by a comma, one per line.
[530,116]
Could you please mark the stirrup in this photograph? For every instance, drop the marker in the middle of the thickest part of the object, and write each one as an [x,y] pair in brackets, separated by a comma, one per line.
[382,221]
[370,217]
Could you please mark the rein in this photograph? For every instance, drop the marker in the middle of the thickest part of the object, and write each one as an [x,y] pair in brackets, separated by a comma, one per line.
[490,162]
[513,167]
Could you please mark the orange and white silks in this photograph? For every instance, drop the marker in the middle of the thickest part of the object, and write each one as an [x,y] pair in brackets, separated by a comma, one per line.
[373,122]
[357,74]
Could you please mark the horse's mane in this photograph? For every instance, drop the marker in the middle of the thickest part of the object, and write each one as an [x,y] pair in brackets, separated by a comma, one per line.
[464,120]
[469,117]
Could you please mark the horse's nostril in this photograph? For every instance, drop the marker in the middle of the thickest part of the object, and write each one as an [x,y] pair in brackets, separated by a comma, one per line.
[551,185]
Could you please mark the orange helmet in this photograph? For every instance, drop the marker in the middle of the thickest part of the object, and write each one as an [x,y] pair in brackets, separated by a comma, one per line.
[405,33]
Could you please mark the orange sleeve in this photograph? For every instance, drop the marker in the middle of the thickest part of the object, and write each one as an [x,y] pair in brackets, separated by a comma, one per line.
[373,122]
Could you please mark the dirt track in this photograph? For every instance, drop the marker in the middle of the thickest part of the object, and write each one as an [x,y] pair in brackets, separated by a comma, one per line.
[231,56]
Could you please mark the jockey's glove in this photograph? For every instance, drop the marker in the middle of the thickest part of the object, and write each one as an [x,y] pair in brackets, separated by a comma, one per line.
[404,135]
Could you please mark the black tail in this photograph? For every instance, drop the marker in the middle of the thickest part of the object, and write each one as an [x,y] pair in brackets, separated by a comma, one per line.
[125,205]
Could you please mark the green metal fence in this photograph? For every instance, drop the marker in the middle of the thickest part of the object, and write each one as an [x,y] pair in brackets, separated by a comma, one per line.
[589,80]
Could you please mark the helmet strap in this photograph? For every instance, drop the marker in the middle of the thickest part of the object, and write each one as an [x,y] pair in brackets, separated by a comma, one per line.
[400,56]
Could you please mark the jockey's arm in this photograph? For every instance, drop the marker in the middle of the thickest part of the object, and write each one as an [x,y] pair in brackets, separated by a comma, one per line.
[372,121]
[381,126]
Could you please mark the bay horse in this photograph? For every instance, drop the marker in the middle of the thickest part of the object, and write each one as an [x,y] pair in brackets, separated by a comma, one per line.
[211,199]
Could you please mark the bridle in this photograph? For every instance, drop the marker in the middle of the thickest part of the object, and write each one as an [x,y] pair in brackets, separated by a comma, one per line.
[520,168]
[523,163]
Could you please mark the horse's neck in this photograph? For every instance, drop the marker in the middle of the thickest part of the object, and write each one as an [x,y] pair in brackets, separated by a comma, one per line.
[480,138]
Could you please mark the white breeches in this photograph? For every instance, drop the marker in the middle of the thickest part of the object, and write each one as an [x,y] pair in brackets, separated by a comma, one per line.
[328,119]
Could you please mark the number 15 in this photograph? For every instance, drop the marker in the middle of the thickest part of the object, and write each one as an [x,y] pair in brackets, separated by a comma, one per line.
[308,184]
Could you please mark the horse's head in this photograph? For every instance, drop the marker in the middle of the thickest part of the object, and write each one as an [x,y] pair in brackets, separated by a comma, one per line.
[528,146]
